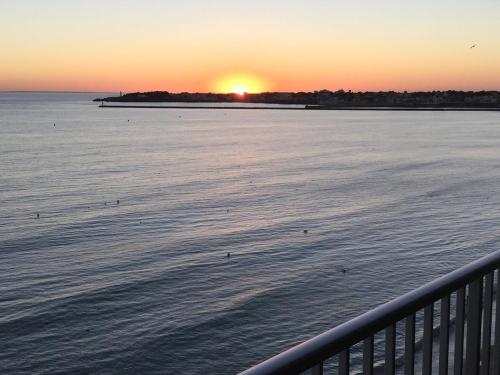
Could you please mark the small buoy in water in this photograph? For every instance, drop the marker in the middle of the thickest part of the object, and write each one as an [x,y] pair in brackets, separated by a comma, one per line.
[306,231]
[54,124]
[38,215]
[117,201]
[344,270]
[128,120]
[228,255]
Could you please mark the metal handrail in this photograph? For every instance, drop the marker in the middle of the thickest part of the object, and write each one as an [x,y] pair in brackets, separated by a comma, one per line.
[316,350]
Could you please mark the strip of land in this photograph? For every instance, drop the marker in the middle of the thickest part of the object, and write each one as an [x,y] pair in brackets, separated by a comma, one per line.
[308,107]
[324,99]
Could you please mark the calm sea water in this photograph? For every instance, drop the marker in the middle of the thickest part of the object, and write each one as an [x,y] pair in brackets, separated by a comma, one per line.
[396,198]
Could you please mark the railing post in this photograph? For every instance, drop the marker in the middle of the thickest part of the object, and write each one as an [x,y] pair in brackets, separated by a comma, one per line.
[496,350]
[459,333]
[428,328]
[473,338]
[368,356]
[344,359]
[444,336]
[409,357]
[318,369]
[390,350]
[487,322]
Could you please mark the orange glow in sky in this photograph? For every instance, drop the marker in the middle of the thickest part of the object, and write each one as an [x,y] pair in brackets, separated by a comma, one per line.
[237,46]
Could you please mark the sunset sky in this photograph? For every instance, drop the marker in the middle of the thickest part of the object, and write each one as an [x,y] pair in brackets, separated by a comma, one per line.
[259,45]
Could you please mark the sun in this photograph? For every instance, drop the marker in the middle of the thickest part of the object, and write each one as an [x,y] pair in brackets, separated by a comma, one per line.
[240,90]
[240,84]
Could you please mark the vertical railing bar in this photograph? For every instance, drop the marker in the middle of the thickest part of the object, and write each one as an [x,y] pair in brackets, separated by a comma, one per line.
[473,338]
[444,336]
[487,321]
[368,355]
[390,350]
[409,357]
[318,369]
[496,350]
[458,362]
[427,350]
[344,362]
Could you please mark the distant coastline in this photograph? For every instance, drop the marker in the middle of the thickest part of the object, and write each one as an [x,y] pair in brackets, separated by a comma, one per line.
[325,99]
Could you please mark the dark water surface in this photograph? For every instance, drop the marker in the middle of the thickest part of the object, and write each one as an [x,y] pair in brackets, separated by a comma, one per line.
[396,198]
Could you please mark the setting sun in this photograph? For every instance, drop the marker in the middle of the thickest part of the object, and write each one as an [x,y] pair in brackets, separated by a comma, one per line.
[240,84]
[240,90]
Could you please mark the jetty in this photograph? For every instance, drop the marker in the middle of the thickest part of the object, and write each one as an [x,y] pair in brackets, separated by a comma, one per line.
[303,108]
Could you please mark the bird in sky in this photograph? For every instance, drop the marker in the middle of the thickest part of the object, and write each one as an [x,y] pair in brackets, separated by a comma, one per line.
[473,46]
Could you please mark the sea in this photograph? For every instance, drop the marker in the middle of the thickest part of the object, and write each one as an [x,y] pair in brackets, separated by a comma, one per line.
[202,241]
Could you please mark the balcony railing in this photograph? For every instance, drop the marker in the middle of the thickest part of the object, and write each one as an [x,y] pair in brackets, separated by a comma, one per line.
[467,303]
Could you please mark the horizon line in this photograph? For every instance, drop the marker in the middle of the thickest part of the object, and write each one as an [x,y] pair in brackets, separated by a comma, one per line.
[57,92]
[232,93]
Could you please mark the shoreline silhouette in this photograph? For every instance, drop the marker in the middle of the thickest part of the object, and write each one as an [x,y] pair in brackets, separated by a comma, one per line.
[324,99]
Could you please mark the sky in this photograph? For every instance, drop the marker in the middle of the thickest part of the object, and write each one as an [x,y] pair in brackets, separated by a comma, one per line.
[258,45]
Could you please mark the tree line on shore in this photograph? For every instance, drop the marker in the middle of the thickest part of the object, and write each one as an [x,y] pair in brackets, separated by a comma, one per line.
[339,98]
